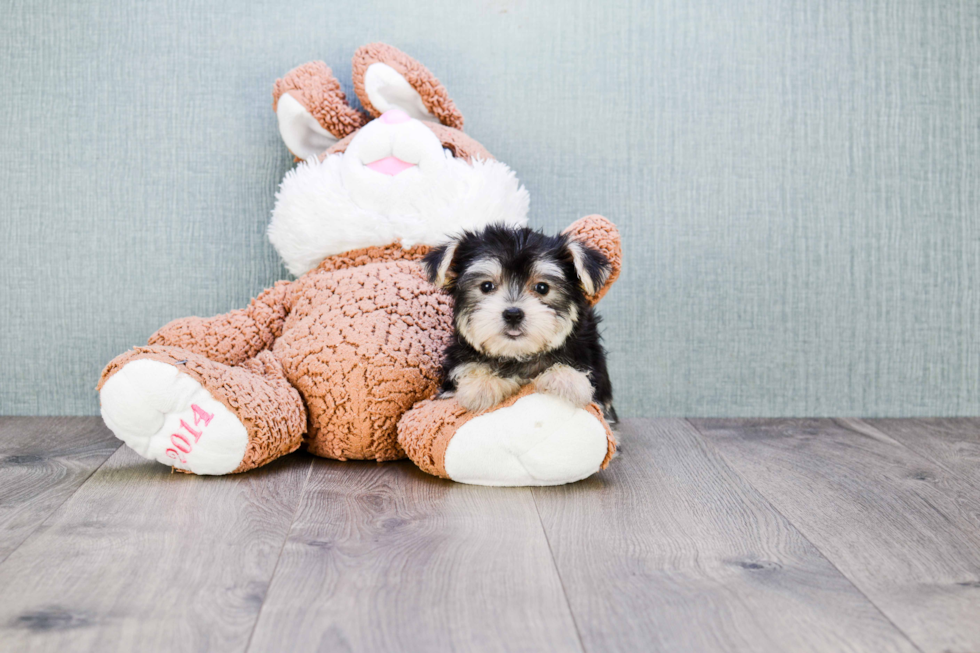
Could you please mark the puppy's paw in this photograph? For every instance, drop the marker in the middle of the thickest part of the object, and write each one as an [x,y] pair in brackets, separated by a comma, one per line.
[478,388]
[566,383]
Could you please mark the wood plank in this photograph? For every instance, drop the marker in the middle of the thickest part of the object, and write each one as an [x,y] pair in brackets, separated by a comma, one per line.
[877,510]
[953,443]
[670,550]
[43,460]
[386,558]
[140,559]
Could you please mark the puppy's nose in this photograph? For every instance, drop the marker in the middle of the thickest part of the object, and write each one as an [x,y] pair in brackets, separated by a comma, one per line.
[513,315]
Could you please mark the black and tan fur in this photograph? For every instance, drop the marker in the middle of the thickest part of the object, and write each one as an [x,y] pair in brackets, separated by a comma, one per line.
[521,315]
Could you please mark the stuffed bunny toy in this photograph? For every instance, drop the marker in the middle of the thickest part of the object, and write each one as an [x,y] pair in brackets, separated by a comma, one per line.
[344,359]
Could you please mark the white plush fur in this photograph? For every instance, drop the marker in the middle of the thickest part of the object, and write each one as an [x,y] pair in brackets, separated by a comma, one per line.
[300,131]
[540,440]
[339,204]
[143,404]
[386,89]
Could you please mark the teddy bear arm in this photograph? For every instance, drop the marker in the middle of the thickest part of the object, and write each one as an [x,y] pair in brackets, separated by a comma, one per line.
[236,336]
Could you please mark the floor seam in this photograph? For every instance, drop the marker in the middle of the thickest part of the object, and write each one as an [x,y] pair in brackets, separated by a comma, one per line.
[275,568]
[710,445]
[554,564]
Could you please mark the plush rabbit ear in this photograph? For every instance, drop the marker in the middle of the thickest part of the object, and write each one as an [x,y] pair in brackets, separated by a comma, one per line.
[438,265]
[386,78]
[312,111]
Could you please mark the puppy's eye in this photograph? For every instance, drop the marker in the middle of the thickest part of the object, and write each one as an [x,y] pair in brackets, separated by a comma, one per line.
[487,287]
[541,288]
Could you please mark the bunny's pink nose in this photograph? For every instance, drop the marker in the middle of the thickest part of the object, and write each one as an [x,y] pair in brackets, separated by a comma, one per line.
[395,116]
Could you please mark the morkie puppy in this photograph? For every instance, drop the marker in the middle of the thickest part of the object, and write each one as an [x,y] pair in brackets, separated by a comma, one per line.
[521,316]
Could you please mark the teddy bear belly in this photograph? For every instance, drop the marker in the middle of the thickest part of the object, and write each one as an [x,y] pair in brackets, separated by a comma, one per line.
[361,350]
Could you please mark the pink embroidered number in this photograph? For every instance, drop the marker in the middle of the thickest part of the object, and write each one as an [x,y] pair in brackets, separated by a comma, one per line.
[200,415]
[187,443]
[196,434]
[182,445]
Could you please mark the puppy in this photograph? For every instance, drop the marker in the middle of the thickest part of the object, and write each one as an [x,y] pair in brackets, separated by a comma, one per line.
[521,316]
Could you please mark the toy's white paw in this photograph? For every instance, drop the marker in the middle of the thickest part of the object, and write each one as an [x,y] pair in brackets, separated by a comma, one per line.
[167,416]
[539,440]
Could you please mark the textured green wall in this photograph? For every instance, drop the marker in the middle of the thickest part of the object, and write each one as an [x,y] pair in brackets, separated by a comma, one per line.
[797,182]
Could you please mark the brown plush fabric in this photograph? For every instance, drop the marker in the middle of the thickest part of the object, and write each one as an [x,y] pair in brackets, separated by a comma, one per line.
[362,345]
[257,392]
[360,337]
[611,443]
[425,431]
[359,257]
[234,337]
[433,93]
[354,344]
[457,142]
[314,86]
[598,232]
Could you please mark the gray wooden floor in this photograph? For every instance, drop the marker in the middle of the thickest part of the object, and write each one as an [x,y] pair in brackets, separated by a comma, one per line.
[703,535]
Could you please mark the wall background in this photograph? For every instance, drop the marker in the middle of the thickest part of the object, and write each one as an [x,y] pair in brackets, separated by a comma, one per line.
[797,182]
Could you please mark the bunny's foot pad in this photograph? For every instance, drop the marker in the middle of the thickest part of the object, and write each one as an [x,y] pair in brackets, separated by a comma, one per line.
[166,415]
[532,439]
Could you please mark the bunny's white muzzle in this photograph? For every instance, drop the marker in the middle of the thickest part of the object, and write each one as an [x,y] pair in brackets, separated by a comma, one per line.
[394,183]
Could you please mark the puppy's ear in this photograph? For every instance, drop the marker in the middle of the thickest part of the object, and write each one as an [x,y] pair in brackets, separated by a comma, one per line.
[591,266]
[438,265]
